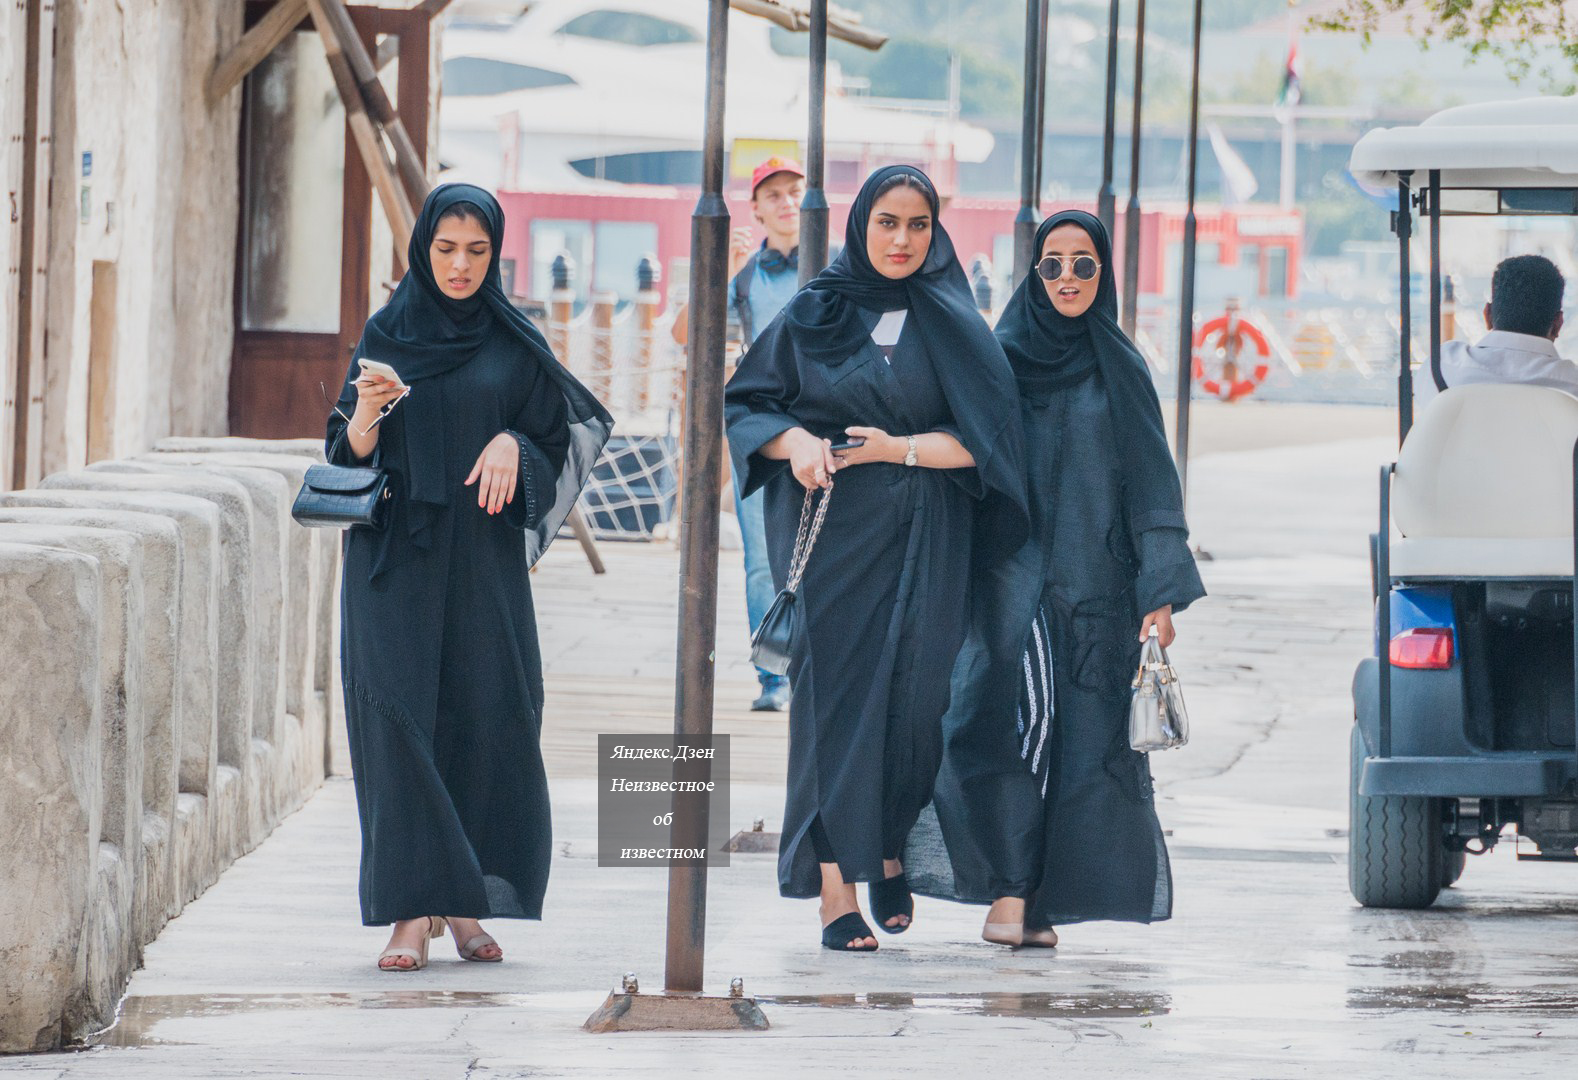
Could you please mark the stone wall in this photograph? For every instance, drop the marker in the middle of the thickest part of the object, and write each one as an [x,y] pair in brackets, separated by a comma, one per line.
[145,178]
[170,637]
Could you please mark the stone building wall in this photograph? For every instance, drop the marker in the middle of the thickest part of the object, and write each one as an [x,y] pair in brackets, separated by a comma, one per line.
[148,235]
[169,689]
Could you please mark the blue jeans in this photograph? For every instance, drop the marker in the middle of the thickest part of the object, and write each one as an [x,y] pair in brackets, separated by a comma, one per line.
[759,591]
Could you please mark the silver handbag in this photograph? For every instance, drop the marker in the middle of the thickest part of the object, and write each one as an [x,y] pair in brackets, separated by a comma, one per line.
[1157,718]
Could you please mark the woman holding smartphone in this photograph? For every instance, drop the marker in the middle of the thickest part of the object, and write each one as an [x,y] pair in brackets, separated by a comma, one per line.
[486,453]
[884,354]
[1047,812]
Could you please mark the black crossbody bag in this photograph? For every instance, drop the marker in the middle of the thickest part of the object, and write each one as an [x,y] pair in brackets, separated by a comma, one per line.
[342,496]
[771,643]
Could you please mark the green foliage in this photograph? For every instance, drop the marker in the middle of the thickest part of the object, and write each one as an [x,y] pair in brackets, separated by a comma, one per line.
[1520,34]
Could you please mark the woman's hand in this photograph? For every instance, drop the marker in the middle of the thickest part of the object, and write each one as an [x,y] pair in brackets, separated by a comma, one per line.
[373,392]
[499,468]
[1162,619]
[808,457]
[879,446]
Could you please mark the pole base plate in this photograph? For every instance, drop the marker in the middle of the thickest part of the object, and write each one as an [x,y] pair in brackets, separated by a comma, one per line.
[675,1012]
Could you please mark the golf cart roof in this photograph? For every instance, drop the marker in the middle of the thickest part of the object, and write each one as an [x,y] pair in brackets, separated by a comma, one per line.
[1518,146]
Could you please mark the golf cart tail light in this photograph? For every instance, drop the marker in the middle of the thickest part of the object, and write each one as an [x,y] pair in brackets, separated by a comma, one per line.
[1427,649]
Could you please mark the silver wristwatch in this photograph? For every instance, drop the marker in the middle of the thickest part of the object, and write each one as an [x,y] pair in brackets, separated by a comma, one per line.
[909,455]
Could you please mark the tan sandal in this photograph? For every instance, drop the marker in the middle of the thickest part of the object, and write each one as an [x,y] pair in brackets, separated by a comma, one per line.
[418,957]
[469,950]
[1011,934]
[1015,936]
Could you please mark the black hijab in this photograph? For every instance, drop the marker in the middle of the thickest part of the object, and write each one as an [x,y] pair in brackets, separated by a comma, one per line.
[1050,351]
[422,333]
[823,322]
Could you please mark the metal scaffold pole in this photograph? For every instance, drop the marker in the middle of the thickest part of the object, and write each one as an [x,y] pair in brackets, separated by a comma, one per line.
[682,1006]
[1131,214]
[1186,287]
[813,209]
[1107,198]
[1029,215]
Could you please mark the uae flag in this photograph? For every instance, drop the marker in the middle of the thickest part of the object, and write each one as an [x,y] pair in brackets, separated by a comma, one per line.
[1290,93]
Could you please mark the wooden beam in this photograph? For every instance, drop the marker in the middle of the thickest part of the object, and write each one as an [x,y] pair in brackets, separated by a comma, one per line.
[246,54]
[397,207]
[388,52]
[843,25]
[433,8]
[29,324]
[413,171]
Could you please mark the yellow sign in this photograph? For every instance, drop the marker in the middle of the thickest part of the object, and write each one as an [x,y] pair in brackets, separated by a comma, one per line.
[746,154]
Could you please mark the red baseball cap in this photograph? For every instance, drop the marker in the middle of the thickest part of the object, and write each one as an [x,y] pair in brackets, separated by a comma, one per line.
[773,166]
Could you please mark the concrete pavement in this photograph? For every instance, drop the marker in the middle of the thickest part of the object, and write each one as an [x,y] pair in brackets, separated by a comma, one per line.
[1268,968]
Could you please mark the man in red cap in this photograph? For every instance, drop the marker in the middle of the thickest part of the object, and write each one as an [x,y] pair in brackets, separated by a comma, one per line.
[762,279]
[766,279]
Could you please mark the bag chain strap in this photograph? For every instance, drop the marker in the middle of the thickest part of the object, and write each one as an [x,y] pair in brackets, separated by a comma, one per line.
[805,540]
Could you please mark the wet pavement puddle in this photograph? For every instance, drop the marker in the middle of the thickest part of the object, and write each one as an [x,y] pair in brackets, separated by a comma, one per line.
[1036,1005]
[1467,998]
[139,1015]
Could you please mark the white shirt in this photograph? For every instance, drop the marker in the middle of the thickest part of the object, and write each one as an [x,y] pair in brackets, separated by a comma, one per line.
[886,333]
[1499,357]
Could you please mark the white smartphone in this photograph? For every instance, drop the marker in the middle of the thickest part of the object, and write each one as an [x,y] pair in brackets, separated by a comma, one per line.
[374,367]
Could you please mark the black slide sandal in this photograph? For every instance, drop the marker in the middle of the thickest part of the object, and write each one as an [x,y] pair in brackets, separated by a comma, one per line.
[837,934]
[890,897]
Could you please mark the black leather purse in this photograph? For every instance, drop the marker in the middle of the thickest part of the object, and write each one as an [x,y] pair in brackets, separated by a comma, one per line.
[340,496]
[771,643]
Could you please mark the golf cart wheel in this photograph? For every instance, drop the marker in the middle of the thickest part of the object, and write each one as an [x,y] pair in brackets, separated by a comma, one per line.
[1396,858]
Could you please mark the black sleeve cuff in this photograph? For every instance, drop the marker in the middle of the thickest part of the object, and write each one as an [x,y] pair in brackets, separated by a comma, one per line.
[1168,574]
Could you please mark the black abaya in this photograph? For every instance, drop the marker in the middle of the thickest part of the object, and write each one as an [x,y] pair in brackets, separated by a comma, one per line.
[1053,805]
[439,648]
[443,675]
[885,590]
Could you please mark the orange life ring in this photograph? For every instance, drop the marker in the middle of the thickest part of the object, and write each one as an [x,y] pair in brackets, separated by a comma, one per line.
[1236,388]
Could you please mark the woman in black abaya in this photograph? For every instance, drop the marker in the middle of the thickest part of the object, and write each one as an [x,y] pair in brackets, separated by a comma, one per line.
[884,345]
[1046,812]
[443,676]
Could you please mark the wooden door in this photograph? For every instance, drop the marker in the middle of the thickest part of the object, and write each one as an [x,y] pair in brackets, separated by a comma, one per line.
[305,254]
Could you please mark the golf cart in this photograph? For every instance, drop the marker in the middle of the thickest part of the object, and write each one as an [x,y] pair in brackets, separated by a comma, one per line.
[1465,715]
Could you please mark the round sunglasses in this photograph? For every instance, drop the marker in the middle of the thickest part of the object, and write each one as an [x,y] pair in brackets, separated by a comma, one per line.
[1085,267]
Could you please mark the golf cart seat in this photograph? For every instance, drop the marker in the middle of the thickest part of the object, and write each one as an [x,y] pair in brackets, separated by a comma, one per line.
[1484,486]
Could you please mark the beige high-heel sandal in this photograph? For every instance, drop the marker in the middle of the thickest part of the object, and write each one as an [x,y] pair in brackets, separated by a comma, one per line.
[418,957]
[1015,936]
[468,951]
[1011,934]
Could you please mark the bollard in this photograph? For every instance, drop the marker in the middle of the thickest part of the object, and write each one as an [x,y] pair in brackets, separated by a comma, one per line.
[981,285]
[601,382]
[648,274]
[561,306]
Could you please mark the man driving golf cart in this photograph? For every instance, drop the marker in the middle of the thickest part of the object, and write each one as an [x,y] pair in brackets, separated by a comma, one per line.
[1522,320]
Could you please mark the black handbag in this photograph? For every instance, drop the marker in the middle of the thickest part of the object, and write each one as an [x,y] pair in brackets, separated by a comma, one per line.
[340,496]
[771,643]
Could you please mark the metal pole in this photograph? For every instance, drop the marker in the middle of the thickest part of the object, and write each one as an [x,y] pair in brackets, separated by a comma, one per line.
[1434,210]
[1041,103]
[813,208]
[1028,218]
[1131,215]
[1403,226]
[1107,198]
[1186,288]
[698,590]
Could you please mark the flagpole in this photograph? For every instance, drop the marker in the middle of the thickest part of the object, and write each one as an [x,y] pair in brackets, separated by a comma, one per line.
[1289,118]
